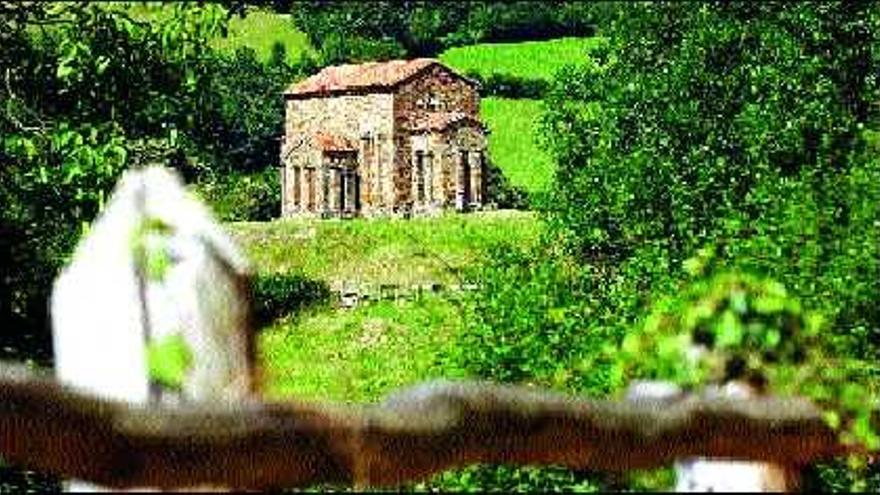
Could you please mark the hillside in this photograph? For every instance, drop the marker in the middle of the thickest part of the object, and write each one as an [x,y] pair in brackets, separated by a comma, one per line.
[527,59]
[261,30]
[514,121]
[381,251]
[513,142]
[361,354]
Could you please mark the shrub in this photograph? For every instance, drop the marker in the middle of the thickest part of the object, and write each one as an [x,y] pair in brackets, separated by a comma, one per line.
[279,294]
[741,125]
[243,197]
[338,49]
[424,28]
[508,86]
[501,192]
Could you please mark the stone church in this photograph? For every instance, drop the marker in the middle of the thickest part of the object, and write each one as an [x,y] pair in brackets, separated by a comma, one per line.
[401,137]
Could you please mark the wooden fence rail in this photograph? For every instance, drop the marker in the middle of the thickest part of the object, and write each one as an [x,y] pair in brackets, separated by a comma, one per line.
[414,433]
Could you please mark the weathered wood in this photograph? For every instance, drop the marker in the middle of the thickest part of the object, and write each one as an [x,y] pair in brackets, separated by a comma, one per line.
[414,433]
[718,475]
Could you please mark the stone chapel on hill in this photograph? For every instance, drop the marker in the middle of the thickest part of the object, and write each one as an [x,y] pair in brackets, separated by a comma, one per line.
[401,137]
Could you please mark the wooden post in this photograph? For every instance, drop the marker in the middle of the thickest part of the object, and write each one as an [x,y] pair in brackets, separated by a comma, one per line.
[154,306]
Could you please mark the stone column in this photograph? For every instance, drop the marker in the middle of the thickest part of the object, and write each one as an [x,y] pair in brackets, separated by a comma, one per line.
[429,177]
[296,186]
[285,192]
[476,160]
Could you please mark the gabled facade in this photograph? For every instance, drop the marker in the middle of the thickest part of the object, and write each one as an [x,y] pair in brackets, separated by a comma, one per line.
[384,138]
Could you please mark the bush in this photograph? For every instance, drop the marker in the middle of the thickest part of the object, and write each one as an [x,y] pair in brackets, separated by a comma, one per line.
[243,197]
[501,192]
[339,49]
[509,86]
[281,294]
[425,28]
[746,126]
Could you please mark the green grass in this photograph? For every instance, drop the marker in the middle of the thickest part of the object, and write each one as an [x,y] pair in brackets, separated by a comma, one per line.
[529,59]
[260,30]
[380,251]
[358,355]
[512,142]
[364,353]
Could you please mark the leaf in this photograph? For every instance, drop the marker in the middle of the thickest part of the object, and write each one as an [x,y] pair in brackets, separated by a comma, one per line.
[768,304]
[158,262]
[729,330]
[832,419]
[64,71]
[168,360]
[772,338]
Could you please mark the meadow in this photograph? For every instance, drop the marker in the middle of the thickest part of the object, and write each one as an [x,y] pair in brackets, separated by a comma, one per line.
[361,354]
[261,30]
[381,251]
[527,59]
[513,143]
[515,122]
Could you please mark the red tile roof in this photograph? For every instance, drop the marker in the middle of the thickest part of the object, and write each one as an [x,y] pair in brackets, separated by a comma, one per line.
[329,142]
[360,76]
[437,121]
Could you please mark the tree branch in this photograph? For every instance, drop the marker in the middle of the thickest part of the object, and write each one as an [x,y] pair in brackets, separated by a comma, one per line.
[414,433]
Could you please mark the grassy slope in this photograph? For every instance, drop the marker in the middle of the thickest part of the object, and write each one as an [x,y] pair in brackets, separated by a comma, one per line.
[358,355]
[364,353]
[514,122]
[529,59]
[380,251]
[512,142]
[260,30]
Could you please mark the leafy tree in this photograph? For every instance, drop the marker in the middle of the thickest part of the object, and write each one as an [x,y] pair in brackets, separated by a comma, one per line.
[751,127]
[347,31]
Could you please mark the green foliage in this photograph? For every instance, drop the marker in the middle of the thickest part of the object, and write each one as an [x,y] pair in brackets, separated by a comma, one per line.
[241,197]
[75,114]
[524,326]
[342,30]
[91,89]
[339,49]
[732,326]
[512,479]
[279,294]
[509,86]
[748,127]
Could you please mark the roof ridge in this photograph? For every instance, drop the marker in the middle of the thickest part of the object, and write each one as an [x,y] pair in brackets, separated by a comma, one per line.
[362,75]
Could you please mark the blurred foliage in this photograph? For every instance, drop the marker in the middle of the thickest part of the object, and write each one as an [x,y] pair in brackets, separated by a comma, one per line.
[88,91]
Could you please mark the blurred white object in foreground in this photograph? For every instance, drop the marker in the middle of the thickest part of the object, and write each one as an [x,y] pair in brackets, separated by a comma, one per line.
[155,271]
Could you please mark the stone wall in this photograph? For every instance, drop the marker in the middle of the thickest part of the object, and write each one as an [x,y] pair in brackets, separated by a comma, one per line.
[365,120]
[436,89]
[453,94]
